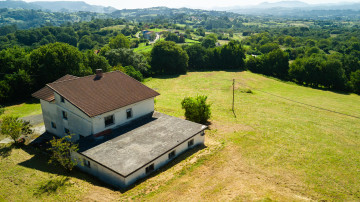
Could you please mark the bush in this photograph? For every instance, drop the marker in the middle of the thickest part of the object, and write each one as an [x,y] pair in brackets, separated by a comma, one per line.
[196,109]
[13,127]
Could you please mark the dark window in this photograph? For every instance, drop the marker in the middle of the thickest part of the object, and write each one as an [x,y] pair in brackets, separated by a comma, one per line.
[67,131]
[128,113]
[149,169]
[191,143]
[64,115]
[53,125]
[62,99]
[172,154]
[86,163]
[109,120]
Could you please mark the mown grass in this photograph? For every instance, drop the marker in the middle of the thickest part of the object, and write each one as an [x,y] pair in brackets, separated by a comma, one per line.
[23,109]
[26,177]
[319,148]
[271,141]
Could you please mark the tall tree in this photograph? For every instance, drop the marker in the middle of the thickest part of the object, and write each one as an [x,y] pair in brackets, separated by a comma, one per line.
[168,58]
[120,41]
[51,61]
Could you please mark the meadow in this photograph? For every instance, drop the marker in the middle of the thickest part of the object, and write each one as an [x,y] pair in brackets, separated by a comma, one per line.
[271,148]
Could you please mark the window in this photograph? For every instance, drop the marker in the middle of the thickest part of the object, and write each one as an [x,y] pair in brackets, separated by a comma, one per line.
[62,99]
[64,113]
[191,143]
[86,163]
[53,125]
[109,120]
[172,154]
[149,169]
[67,131]
[128,113]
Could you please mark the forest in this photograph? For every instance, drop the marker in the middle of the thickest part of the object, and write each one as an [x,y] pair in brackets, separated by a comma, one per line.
[321,54]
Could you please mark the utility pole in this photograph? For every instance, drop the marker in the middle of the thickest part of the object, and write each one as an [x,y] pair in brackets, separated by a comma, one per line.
[233,98]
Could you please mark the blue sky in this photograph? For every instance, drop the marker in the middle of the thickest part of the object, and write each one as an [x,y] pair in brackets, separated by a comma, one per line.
[202,4]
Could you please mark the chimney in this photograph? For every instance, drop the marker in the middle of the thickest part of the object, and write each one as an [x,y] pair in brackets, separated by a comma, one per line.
[99,73]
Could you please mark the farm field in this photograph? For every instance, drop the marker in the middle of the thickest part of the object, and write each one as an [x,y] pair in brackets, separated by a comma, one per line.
[274,149]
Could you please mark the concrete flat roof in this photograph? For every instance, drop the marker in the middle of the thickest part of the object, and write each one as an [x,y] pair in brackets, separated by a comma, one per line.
[131,147]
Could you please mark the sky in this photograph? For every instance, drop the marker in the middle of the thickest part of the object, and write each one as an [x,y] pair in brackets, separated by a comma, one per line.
[201,4]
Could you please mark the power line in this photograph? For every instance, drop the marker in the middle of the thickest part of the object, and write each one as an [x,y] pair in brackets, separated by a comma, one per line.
[321,108]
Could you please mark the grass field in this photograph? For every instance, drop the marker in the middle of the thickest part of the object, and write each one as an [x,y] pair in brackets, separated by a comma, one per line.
[274,149]
[23,109]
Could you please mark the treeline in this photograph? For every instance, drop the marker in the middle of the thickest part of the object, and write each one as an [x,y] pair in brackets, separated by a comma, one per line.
[318,58]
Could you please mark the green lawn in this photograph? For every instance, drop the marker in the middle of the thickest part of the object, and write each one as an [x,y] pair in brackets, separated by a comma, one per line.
[143,48]
[274,149]
[24,109]
[318,148]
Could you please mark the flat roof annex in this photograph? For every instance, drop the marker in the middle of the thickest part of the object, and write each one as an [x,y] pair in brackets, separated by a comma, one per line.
[132,147]
[95,96]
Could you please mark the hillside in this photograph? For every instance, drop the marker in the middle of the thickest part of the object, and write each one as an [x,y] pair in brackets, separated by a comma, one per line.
[56,6]
[274,149]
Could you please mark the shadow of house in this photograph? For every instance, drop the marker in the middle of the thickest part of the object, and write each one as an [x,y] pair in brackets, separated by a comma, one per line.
[39,162]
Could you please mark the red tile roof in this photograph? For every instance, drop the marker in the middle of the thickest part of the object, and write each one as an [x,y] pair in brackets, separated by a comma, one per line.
[97,96]
[46,93]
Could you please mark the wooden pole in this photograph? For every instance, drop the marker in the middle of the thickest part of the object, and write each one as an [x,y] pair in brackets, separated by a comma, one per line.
[233,98]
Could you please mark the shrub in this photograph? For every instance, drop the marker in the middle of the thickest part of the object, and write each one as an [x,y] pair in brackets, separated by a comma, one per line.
[196,109]
[14,127]
[61,152]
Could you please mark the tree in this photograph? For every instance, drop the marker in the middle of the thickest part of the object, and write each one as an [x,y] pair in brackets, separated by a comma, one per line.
[55,60]
[127,57]
[197,56]
[355,81]
[120,41]
[276,63]
[94,61]
[61,152]
[168,58]
[196,109]
[232,55]
[86,43]
[131,71]
[14,127]
[209,41]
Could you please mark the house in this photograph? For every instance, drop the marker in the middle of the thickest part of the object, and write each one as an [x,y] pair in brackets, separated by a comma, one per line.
[147,34]
[121,139]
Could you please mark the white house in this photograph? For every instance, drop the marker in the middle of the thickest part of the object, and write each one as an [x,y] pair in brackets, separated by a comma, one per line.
[120,137]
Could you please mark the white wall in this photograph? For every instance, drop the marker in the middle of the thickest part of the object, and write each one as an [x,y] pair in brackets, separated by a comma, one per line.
[79,123]
[138,109]
[110,177]
[102,173]
[164,159]
[49,111]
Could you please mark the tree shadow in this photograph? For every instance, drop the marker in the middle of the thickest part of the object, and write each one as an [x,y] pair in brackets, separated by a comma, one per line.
[216,69]
[166,76]
[21,101]
[52,185]
[5,150]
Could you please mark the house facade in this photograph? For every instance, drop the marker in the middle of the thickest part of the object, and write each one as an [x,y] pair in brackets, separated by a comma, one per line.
[111,115]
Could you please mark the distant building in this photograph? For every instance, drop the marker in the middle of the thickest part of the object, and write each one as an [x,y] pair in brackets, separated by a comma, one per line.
[121,138]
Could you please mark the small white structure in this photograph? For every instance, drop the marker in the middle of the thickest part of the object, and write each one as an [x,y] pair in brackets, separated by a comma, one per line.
[121,138]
